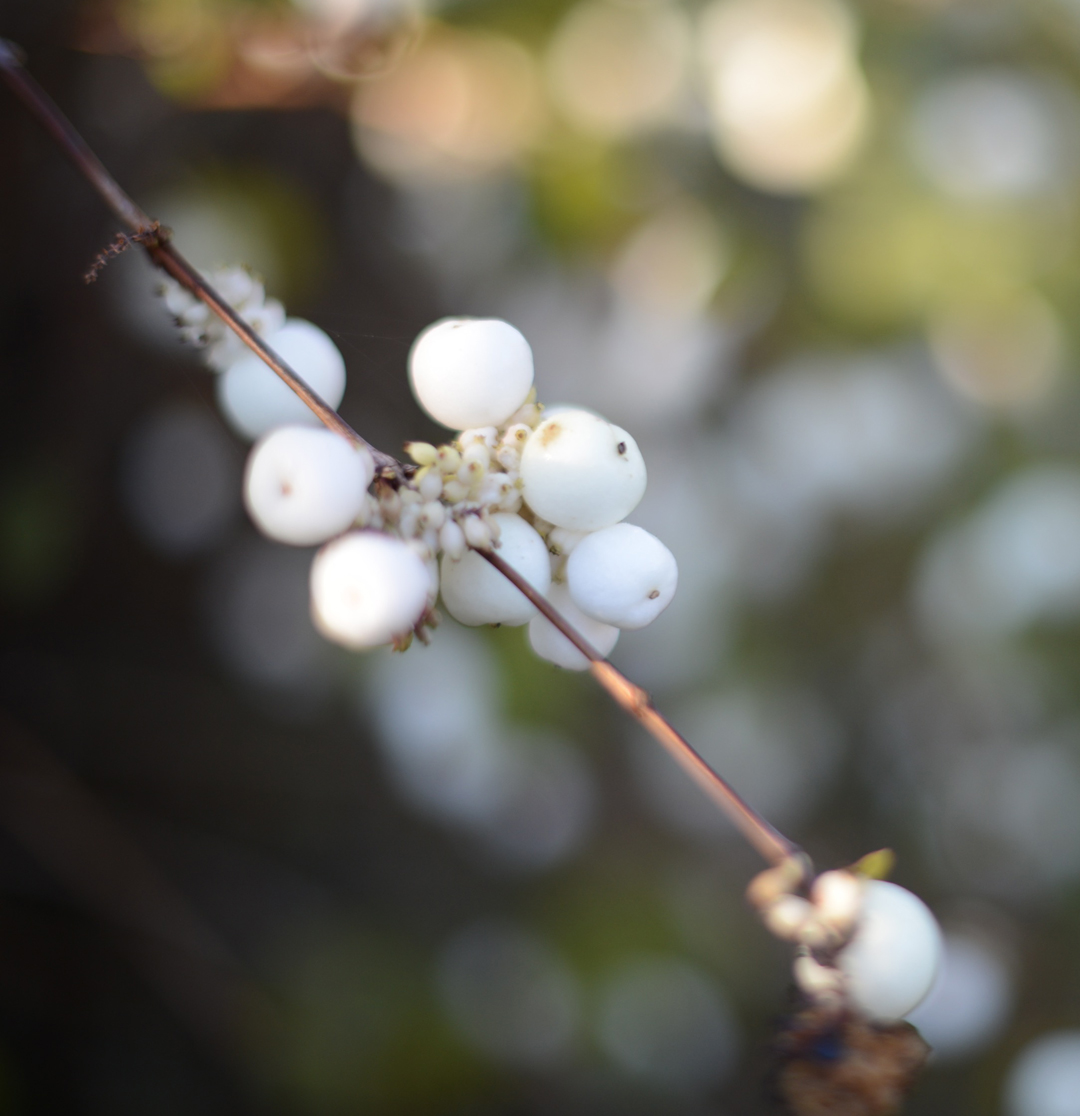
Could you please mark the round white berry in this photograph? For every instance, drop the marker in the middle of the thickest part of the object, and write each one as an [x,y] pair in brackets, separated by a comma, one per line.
[254,399]
[622,575]
[470,372]
[305,485]
[367,589]
[893,957]
[581,472]
[549,643]
[474,592]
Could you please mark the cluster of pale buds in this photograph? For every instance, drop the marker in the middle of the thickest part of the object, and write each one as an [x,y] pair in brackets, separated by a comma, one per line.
[458,489]
[244,292]
[549,492]
[861,943]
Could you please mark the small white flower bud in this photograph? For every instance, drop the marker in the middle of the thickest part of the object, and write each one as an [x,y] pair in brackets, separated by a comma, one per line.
[420,549]
[515,436]
[449,460]
[267,318]
[389,502]
[471,473]
[512,501]
[838,897]
[422,453]
[475,454]
[509,457]
[236,285]
[527,415]
[175,297]
[454,491]
[494,489]
[477,533]
[817,980]
[452,540]
[562,541]
[430,485]
[195,314]
[787,917]
[367,509]
[479,436]
[432,515]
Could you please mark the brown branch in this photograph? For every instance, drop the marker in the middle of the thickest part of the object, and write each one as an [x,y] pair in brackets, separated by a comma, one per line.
[768,841]
[161,250]
[773,845]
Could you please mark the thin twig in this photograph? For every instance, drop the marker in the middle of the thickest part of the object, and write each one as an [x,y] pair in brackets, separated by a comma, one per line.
[768,841]
[161,250]
[773,845]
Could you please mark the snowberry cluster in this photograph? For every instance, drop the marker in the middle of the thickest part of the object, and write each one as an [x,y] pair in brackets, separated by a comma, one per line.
[547,490]
[861,942]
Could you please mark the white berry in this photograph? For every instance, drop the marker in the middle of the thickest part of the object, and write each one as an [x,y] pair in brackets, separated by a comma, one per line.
[622,575]
[470,372]
[581,472]
[254,399]
[367,589]
[303,486]
[549,643]
[891,961]
[474,592]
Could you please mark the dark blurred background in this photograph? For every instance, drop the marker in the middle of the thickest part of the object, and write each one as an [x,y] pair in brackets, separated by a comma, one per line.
[822,260]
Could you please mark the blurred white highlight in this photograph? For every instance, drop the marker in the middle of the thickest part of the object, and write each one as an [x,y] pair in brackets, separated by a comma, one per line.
[180,479]
[971,1000]
[510,995]
[788,100]
[989,133]
[527,797]
[1011,562]
[664,1020]
[614,69]
[260,621]
[1045,1079]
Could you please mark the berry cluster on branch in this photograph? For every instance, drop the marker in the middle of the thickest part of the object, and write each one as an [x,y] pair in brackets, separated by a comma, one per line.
[549,493]
[548,490]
